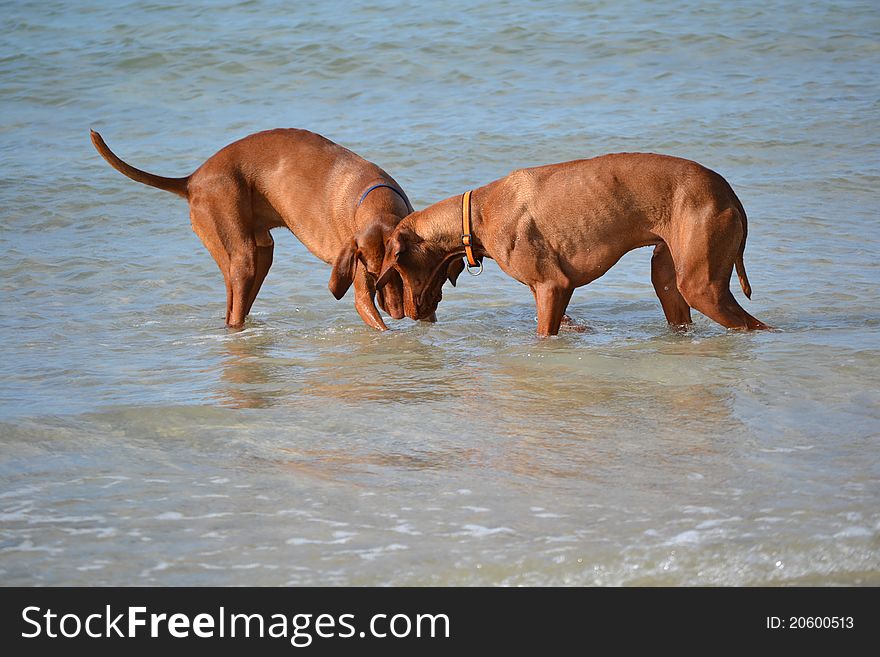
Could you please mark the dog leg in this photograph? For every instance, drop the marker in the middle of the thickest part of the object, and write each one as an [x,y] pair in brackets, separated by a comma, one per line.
[567,323]
[226,218]
[242,274]
[552,301]
[364,301]
[263,263]
[204,228]
[716,302]
[676,309]
[706,264]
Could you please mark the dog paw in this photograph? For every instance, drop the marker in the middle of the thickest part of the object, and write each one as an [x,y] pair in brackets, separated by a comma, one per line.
[570,324]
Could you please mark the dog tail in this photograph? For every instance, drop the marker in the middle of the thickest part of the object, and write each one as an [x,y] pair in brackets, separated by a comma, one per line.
[175,185]
[740,265]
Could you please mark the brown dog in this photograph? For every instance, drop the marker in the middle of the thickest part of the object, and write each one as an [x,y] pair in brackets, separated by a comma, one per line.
[557,227]
[334,201]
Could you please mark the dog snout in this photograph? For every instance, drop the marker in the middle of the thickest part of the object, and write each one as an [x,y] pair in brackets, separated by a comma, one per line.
[393,303]
[428,303]
[393,297]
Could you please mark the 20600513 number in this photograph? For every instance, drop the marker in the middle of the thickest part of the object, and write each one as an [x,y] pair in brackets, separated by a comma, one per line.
[820,622]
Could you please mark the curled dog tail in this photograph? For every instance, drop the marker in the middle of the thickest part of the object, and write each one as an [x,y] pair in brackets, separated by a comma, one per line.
[175,185]
[738,263]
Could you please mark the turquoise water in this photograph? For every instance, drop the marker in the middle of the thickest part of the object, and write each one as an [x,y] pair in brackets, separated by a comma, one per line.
[142,443]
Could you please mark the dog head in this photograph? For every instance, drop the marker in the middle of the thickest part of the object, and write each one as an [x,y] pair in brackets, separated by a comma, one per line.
[424,268]
[367,248]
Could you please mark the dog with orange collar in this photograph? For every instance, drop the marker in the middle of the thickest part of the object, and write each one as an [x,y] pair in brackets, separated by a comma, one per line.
[555,228]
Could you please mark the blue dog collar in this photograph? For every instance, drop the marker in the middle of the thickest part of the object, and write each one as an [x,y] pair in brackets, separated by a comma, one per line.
[392,188]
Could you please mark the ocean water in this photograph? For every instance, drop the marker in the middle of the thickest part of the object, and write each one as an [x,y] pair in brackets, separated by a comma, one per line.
[142,443]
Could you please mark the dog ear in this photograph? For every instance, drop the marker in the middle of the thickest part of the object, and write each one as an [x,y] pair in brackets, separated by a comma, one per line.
[454,269]
[343,269]
[371,246]
[394,247]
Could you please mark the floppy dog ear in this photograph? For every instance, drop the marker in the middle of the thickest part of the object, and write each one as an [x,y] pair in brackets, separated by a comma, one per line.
[394,247]
[454,269]
[343,270]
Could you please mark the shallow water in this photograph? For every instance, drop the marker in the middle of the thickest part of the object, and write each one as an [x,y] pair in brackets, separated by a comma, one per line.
[142,443]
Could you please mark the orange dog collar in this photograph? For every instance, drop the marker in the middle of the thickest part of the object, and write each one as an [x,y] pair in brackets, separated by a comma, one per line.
[466,238]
